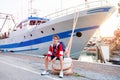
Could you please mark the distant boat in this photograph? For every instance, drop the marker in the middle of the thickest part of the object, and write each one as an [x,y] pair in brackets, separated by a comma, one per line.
[34,35]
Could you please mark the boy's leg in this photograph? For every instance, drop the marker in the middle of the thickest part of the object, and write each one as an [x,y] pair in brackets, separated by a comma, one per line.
[47,60]
[54,59]
[61,63]
[61,67]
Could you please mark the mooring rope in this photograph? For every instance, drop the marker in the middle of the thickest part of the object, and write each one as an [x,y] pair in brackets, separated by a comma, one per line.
[68,48]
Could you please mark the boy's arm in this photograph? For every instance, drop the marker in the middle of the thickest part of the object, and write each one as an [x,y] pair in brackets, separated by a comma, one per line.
[49,51]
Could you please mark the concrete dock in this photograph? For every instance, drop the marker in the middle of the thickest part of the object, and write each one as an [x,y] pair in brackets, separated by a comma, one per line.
[26,67]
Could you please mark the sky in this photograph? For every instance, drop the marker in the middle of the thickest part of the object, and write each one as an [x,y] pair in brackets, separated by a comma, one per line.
[21,9]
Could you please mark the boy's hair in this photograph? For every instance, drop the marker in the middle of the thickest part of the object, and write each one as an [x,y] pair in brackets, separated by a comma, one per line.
[56,37]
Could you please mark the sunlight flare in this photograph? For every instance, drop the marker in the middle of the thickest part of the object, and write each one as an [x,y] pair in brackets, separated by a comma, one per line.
[109,26]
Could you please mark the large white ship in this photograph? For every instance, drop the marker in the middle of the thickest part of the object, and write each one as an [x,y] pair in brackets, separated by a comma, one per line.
[34,35]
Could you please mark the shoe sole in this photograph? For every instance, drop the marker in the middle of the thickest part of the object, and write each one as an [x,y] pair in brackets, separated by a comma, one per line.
[44,74]
[60,77]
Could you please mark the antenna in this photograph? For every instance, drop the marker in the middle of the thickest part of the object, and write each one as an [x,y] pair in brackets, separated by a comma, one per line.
[30,8]
[61,4]
[32,11]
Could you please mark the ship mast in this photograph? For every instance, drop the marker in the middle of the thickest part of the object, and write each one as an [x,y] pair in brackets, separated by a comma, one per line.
[32,11]
[6,17]
[30,8]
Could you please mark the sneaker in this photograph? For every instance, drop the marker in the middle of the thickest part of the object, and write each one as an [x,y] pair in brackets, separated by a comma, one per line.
[61,74]
[45,73]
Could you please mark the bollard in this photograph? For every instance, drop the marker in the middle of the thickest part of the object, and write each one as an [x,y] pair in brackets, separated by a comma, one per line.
[67,66]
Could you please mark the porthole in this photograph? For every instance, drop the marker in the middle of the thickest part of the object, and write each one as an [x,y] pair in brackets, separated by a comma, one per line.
[42,32]
[78,34]
[53,29]
[31,35]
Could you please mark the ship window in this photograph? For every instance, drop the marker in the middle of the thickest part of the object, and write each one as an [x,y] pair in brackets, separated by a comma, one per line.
[32,22]
[53,29]
[43,21]
[42,32]
[38,22]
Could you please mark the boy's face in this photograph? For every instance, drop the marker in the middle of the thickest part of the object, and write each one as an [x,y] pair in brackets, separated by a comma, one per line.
[55,40]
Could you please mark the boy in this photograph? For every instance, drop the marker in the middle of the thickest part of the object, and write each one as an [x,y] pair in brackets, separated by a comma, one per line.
[55,52]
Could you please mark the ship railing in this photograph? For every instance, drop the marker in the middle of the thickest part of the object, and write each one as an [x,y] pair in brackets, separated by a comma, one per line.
[86,5]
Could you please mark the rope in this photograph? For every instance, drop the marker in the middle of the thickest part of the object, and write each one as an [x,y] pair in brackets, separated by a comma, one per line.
[68,48]
[4,23]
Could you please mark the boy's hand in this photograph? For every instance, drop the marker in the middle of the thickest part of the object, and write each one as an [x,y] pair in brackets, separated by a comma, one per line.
[54,59]
[67,53]
[49,59]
